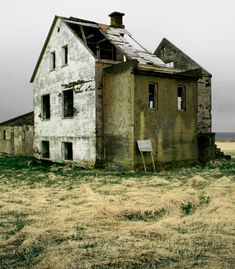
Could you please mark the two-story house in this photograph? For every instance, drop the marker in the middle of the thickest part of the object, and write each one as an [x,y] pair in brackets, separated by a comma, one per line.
[97,91]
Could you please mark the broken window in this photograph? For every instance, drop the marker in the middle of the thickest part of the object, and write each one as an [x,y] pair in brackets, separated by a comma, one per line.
[64,55]
[152,95]
[45,149]
[52,60]
[68,103]
[46,106]
[181,98]
[23,135]
[68,151]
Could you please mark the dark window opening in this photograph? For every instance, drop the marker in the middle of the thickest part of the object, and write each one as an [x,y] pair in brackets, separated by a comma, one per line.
[68,151]
[23,135]
[152,95]
[45,149]
[4,135]
[46,106]
[53,63]
[181,98]
[65,55]
[68,103]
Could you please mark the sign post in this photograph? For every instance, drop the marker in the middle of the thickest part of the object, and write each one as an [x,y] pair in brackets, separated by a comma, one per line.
[146,146]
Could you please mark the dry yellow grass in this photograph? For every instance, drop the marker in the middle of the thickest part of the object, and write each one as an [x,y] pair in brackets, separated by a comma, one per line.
[166,220]
[227,147]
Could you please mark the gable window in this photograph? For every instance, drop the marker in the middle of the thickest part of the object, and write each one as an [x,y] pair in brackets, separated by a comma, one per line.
[152,91]
[68,103]
[64,55]
[46,113]
[181,98]
[45,149]
[52,60]
[68,151]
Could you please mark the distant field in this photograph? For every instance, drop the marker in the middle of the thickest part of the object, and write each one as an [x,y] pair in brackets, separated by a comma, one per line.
[227,147]
[60,217]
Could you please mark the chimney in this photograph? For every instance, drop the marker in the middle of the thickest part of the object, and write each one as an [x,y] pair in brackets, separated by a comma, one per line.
[116,19]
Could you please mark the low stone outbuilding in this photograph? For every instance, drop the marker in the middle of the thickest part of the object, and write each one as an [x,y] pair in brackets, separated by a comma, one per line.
[16,135]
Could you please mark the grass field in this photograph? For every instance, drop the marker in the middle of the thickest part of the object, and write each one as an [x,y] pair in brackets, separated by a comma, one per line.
[58,217]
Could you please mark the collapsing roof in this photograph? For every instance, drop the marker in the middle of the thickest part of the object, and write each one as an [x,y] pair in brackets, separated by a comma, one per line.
[94,34]
[105,42]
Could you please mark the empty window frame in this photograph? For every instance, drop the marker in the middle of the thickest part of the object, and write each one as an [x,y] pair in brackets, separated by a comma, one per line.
[153,95]
[52,60]
[68,103]
[23,135]
[181,98]
[65,55]
[68,151]
[46,113]
[45,150]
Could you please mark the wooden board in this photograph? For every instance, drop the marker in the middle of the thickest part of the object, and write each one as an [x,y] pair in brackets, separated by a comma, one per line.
[144,145]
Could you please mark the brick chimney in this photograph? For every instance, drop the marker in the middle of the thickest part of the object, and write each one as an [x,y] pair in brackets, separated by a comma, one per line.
[116,19]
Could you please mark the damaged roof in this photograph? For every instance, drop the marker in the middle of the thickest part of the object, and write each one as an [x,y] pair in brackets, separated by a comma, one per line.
[122,40]
[97,33]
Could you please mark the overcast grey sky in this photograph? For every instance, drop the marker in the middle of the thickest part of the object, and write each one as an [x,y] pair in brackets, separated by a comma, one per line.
[203,29]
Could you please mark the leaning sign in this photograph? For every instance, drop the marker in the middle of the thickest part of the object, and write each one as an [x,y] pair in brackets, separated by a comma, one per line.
[146,146]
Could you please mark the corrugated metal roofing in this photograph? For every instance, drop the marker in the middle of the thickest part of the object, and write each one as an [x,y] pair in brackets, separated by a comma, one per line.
[123,40]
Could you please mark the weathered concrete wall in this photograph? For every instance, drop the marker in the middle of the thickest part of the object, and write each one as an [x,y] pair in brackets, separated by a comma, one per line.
[168,53]
[100,65]
[204,104]
[118,105]
[18,140]
[79,75]
[173,132]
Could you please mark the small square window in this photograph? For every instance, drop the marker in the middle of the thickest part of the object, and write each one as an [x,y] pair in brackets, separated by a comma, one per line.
[52,60]
[45,149]
[46,113]
[65,55]
[68,151]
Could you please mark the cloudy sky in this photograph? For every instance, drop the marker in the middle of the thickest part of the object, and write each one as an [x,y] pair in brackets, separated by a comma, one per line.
[203,29]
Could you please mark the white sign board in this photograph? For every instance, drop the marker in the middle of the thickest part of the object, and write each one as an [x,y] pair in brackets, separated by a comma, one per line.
[145,145]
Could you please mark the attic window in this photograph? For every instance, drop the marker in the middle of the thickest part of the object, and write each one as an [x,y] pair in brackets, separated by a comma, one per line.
[52,61]
[68,151]
[64,55]
[181,98]
[68,103]
[46,106]
[152,90]
[45,149]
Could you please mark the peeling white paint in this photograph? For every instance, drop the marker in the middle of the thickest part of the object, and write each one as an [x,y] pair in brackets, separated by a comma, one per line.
[80,130]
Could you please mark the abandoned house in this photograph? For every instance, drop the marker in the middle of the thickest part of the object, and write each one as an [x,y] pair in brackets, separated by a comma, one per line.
[97,91]
[16,135]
